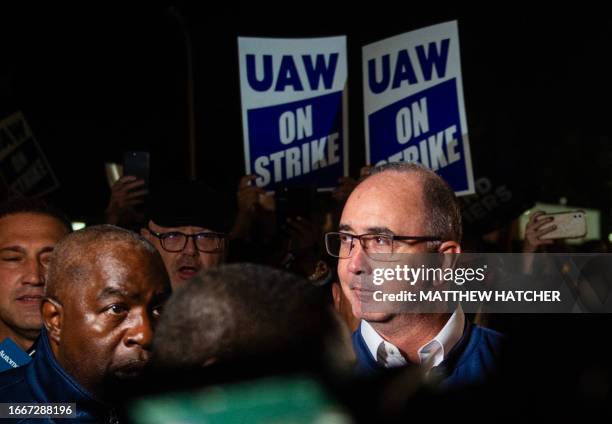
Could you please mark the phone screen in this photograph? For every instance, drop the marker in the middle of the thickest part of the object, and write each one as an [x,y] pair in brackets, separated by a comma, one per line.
[136,164]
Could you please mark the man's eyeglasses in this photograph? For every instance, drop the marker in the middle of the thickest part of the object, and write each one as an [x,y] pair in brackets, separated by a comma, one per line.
[340,245]
[206,242]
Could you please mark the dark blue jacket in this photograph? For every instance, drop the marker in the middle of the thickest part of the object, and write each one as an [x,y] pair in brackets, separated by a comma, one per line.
[473,360]
[43,380]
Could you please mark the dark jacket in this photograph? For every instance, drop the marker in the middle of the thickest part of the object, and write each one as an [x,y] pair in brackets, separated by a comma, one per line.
[473,360]
[43,380]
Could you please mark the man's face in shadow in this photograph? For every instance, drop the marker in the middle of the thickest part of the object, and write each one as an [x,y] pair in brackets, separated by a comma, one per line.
[388,203]
[185,263]
[26,243]
[107,320]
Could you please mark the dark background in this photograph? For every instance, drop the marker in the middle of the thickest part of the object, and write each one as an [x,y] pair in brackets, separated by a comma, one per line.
[96,80]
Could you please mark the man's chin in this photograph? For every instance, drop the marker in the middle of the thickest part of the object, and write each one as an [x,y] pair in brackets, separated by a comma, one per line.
[368,315]
[31,325]
[376,316]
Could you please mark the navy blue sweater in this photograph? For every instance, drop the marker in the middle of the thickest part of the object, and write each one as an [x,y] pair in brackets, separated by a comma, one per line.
[43,380]
[472,361]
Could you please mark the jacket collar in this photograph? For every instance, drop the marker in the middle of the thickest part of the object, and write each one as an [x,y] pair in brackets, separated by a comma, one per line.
[52,384]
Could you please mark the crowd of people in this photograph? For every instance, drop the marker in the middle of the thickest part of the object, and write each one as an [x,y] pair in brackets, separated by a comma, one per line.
[185,287]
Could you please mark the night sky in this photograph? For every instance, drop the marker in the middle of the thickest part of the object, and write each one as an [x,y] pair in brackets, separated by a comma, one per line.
[98,80]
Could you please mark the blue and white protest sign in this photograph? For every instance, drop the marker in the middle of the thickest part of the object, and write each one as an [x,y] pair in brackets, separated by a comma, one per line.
[294,110]
[413,103]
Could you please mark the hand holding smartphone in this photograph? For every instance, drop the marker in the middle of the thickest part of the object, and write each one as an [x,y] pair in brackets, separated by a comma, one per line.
[128,194]
[136,164]
[568,225]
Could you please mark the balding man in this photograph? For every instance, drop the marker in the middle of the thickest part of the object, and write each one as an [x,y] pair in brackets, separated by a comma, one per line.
[407,208]
[104,294]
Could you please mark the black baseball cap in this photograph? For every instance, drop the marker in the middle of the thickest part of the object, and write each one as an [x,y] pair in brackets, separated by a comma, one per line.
[190,203]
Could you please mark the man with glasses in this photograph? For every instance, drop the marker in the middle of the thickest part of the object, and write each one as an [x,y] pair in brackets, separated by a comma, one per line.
[188,224]
[407,208]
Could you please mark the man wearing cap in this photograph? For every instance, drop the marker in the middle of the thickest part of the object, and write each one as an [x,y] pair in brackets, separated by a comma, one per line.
[188,224]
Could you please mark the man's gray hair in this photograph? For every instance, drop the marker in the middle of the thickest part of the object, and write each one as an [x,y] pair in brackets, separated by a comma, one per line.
[443,215]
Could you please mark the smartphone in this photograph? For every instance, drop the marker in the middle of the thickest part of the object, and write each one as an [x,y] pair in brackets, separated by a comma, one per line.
[136,164]
[569,225]
[292,202]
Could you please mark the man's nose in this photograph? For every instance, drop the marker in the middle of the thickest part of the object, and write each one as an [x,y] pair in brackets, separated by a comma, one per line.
[190,247]
[141,332]
[35,273]
[358,261]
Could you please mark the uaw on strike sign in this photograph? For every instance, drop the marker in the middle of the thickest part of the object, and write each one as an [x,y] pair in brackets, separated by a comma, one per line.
[413,103]
[294,112]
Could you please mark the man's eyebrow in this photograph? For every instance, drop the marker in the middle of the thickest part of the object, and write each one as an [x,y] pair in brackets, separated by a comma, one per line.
[345,227]
[205,232]
[379,230]
[16,249]
[165,230]
[113,292]
[19,249]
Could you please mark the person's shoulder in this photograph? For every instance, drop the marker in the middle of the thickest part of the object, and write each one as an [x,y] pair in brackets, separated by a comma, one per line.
[483,338]
[488,332]
[478,361]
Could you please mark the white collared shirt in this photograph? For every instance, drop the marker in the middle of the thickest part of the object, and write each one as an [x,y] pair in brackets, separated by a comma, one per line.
[431,354]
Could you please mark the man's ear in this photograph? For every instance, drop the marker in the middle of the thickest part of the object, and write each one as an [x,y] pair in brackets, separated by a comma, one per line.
[53,318]
[450,260]
[449,246]
[336,295]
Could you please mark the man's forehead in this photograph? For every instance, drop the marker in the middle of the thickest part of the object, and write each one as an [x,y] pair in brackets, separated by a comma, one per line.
[130,288]
[394,182]
[387,200]
[130,270]
[31,219]
[120,255]
[22,228]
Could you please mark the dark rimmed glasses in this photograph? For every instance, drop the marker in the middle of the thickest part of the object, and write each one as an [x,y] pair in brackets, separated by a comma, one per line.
[205,242]
[340,245]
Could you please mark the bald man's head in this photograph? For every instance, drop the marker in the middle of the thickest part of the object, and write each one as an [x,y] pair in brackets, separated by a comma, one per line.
[104,294]
[76,256]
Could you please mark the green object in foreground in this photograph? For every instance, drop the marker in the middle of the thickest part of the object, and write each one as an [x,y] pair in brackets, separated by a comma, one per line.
[269,401]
